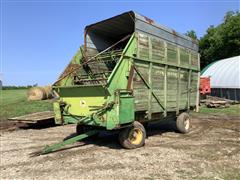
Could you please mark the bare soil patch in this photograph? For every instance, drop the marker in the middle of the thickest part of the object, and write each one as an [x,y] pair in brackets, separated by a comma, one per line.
[211,150]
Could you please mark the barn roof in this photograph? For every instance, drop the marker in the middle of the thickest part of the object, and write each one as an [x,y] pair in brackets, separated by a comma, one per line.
[224,73]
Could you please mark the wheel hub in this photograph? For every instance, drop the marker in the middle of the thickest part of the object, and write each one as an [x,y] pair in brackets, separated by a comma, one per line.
[136,136]
[187,124]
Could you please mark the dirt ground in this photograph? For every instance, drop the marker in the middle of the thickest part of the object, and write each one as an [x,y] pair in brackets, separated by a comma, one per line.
[210,151]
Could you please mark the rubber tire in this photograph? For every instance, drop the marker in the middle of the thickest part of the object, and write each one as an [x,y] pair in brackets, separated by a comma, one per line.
[124,136]
[180,123]
[145,125]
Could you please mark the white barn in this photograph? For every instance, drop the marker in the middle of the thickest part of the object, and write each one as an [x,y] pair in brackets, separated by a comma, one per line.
[224,78]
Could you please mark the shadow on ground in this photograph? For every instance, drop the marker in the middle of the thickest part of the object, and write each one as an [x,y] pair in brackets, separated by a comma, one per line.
[110,138]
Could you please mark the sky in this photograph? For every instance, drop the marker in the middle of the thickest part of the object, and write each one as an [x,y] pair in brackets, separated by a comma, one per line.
[39,38]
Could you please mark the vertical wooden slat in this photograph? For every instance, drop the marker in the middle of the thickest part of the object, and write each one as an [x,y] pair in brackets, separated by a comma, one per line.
[165,51]
[190,60]
[189,83]
[138,49]
[150,48]
[189,89]
[150,91]
[178,81]
[165,90]
[198,85]
[150,80]
[165,82]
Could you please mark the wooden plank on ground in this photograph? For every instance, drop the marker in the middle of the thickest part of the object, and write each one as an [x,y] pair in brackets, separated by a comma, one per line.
[34,117]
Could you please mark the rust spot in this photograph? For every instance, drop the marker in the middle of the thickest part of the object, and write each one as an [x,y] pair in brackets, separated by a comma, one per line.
[130,78]
[69,69]
[150,21]
[174,32]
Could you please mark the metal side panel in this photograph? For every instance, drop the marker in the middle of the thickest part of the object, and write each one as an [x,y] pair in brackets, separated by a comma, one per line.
[126,108]
[148,26]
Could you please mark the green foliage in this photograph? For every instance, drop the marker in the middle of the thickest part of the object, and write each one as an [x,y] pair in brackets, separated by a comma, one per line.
[222,41]
[14,103]
[191,34]
[18,87]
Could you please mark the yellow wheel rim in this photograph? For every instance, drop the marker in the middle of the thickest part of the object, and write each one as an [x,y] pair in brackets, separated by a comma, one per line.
[136,136]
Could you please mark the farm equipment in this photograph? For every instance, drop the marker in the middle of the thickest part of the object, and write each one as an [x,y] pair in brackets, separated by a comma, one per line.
[205,87]
[130,71]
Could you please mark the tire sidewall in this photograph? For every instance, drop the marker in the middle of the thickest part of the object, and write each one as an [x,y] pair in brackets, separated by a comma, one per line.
[181,123]
[124,136]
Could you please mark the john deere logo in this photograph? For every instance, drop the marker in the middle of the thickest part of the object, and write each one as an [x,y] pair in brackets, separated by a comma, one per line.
[83,103]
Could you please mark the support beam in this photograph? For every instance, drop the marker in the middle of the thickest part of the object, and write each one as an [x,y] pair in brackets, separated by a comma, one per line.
[178,82]
[165,90]
[189,89]
[178,91]
[150,91]
[198,86]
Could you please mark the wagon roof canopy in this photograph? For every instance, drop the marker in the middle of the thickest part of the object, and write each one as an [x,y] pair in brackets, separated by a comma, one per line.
[129,22]
[123,23]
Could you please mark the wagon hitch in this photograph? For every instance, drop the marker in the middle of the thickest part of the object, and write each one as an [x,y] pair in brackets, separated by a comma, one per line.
[57,146]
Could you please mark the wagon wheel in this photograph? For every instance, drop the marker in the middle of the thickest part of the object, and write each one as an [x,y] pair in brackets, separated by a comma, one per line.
[183,123]
[133,137]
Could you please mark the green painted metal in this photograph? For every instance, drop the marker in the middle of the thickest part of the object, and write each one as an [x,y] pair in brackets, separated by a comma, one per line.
[126,107]
[166,85]
[65,79]
[72,140]
[113,80]
[159,77]
[57,113]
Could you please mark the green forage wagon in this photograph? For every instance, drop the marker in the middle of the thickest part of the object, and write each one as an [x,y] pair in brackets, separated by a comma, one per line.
[130,71]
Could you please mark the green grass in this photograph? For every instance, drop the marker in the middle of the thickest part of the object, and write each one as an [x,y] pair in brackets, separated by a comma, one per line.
[233,110]
[14,103]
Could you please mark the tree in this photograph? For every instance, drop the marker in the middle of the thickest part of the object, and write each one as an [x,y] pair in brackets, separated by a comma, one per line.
[222,41]
[191,34]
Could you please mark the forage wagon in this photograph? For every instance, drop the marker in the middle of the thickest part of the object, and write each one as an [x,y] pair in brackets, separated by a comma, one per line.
[130,71]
